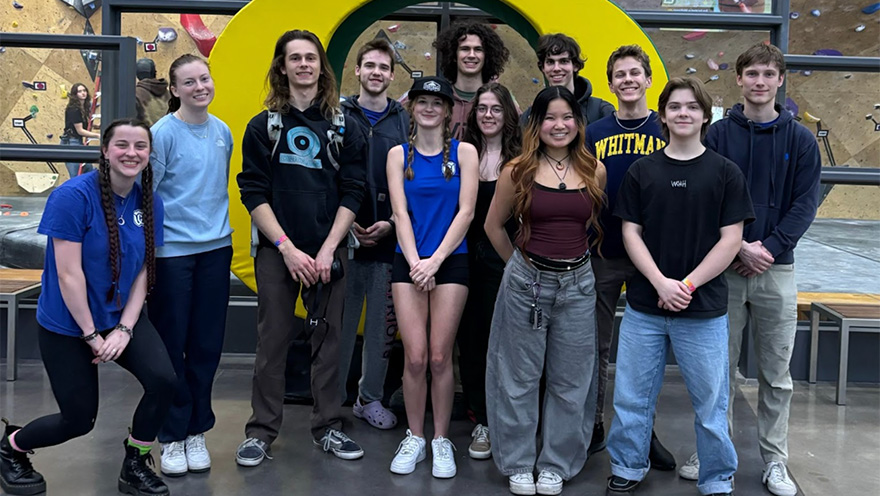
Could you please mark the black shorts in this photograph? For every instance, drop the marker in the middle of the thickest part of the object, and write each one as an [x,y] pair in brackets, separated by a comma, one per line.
[453,270]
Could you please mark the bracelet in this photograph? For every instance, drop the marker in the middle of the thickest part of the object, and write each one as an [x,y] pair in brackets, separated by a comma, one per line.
[687,282]
[124,328]
[90,337]
[282,239]
[393,225]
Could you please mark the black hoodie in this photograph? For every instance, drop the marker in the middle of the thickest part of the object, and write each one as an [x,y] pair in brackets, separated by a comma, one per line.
[298,181]
[389,131]
[592,108]
[781,163]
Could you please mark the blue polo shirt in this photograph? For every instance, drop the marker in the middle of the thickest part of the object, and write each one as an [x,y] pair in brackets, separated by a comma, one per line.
[74,213]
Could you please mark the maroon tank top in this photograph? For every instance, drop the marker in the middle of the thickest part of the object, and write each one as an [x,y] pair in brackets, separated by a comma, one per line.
[559,222]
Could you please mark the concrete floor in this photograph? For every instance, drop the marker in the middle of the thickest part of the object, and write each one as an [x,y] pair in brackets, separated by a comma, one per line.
[824,440]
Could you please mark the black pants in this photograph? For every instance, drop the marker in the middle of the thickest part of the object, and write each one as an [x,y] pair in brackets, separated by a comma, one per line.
[188,308]
[74,380]
[486,271]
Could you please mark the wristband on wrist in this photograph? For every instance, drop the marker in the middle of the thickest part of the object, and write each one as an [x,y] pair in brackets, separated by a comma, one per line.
[280,240]
[393,225]
[124,328]
[90,337]
[687,282]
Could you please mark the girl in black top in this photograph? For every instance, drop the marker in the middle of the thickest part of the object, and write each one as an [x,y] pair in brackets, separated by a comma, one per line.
[76,118]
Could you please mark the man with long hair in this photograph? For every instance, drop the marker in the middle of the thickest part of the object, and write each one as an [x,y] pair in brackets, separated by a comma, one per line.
[302,180]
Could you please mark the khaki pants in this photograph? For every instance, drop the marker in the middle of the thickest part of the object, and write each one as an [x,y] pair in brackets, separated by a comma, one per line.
[768,302]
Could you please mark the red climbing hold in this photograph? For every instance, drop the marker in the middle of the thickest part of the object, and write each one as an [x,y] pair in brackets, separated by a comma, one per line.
[200,33]
[696,35]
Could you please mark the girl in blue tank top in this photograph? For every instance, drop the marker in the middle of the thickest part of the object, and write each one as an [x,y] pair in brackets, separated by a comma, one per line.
[432,181]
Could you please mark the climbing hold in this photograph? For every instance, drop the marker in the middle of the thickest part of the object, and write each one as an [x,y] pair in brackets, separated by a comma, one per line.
[720,54]
[815,12]
[28,84]
[33,110]
[807,73]
[712,64]
[24,214]
[724,66]
[791,106]
[860,28]
[695,35]
[400,45]
[427,55]
[49,136]
[690,70]
[201,35]
[536,80]
[493,26]
[870,9]
[17,5]
[812,119]
[2,49]
[15,24]
[713,77]
[847,76]
[166,34]
[794,15]
[393,28]
[5,213]
[828,52]
[689,56]
[63,91]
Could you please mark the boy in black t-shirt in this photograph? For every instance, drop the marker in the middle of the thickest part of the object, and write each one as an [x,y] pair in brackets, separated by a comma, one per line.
[683,210]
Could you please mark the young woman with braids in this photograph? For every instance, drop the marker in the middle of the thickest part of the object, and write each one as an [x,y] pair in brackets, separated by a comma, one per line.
[545,318]
[190,159]
[493,128]
[76,119]
[432,181]
[89,310]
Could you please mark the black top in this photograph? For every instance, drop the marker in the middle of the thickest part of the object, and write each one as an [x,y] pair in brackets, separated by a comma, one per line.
[72,116]
[476,234]
[682,206]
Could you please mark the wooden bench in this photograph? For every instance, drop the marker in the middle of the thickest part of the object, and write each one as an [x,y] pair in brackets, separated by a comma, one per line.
[849,317]
[15,285]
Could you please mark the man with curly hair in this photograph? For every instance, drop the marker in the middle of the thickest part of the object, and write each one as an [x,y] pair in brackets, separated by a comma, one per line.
[470,54]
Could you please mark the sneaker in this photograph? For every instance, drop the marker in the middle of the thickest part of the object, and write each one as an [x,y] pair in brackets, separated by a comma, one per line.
[619,485]
[340,445]
[691,468]
[174,459]
[197,457]
[549,483]
[251,452]
[597,444]
[481,447]
[522,484]
[777,480]
[409,452]
[444,460]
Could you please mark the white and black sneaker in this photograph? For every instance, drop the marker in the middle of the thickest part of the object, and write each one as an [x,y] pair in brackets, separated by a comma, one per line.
[251,452]
[173,460]
[339,444]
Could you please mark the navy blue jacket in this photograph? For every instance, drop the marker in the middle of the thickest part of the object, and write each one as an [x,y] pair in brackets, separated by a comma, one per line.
[389,131]
[782,166]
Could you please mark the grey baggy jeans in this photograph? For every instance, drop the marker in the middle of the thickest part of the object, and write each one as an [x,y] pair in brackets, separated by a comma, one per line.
[564,346]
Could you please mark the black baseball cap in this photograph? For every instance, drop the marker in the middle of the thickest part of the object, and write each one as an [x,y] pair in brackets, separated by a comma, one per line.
[432,85]
[146,68]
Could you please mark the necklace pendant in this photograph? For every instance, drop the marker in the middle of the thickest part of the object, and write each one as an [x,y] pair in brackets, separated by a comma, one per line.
[562,186]
[121,221]
[559,166]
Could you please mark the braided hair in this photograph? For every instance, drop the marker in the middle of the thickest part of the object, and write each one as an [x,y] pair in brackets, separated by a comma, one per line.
[110,216]
[447,141]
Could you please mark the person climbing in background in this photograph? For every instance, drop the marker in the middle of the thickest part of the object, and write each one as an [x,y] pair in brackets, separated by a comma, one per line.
[76,122]
[151,94]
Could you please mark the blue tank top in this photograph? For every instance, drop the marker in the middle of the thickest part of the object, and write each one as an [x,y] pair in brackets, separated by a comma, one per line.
[431,200]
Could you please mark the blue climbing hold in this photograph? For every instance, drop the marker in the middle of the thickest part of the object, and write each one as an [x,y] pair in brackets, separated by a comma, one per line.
[17,5]
[870,9]
[535,80]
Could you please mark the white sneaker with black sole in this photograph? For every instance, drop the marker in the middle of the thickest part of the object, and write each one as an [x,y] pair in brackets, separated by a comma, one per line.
[691,468]
[251,452]
[336,442]
[174,459]
[197,457]
[777,480]
[409,452]
[549,483]
[444,458]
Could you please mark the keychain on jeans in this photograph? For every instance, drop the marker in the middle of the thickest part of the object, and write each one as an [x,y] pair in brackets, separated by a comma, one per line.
[536,315]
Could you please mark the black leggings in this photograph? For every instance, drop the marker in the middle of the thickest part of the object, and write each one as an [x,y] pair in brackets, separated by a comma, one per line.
[74,380]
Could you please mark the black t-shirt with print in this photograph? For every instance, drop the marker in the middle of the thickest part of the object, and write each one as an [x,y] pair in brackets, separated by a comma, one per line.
[682,206]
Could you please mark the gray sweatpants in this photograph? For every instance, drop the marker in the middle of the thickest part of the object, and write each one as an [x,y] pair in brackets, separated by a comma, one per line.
[370,280]
[564,346]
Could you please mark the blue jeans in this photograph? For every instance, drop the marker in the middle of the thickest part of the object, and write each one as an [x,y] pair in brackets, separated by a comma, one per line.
[73,167]
[700,347]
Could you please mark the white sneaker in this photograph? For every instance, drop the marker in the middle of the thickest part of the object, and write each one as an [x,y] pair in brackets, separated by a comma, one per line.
[549,483]
[174,459]
[197,457]
[691,468]
[522,484]
[444,459]
[481,447]
[777,480]
[410,452]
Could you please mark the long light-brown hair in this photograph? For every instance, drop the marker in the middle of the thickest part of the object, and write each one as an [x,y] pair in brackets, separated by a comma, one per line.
[524,168]
[511,131]
[413,132]
[278,98]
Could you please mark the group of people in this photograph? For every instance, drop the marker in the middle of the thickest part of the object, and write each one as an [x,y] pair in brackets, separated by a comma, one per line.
[511,235]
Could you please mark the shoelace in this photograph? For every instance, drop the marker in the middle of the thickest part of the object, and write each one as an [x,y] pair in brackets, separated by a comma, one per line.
[409,445]
[177,448]
[480,434]
[338,435]
[523,478]
[444,452]
[776,474]
[256,443]
[197,443]
[549,477]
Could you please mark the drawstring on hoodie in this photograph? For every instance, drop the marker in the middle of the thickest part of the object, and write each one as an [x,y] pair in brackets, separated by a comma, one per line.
[774,166]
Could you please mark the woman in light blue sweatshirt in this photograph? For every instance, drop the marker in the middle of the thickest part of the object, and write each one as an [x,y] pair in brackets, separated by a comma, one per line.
[191,152]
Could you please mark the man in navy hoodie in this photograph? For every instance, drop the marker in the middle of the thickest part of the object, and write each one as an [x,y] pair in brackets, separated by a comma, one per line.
[369,272]
[780,159]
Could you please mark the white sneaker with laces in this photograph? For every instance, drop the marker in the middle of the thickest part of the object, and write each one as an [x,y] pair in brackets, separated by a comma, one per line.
[444,459]
[549,483]
[691,468]
[197,457]
[174,459]
[410,452]
[522,484]
[777,480]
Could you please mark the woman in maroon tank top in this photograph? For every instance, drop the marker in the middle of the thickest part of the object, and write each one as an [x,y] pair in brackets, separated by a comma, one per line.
[544,321]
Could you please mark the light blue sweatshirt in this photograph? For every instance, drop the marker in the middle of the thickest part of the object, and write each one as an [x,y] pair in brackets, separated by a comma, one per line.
[191,173]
